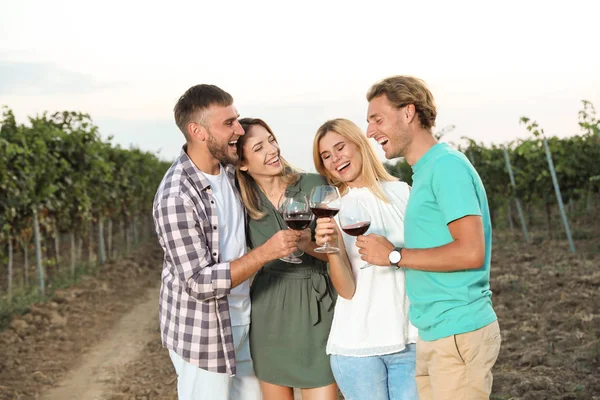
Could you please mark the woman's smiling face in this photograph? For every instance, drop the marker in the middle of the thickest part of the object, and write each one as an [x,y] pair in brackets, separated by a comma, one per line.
[341,158]
[260,153]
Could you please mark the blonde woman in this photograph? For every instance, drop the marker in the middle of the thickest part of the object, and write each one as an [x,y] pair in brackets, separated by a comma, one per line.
[372,343]
[292,304]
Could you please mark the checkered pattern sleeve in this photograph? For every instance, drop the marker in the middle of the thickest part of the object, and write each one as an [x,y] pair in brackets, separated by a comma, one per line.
[186,249]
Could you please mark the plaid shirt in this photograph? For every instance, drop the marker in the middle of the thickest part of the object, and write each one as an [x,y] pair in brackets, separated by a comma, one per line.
[193,309]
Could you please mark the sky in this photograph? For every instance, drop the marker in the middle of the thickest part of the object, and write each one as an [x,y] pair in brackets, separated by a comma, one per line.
[297,64]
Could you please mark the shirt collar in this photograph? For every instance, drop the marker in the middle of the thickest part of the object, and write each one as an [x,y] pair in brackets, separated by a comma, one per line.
[430,154]
[196,175]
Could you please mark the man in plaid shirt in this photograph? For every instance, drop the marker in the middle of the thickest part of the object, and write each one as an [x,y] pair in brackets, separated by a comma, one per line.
[200,222]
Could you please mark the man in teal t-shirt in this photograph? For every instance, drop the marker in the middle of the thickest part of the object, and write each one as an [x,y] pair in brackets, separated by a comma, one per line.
[448,245]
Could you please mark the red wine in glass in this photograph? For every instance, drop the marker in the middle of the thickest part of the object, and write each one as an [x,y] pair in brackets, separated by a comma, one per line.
[324,212]
[357,229]
[298,221]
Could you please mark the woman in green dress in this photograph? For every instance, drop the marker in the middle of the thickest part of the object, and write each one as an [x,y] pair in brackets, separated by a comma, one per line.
[292,304]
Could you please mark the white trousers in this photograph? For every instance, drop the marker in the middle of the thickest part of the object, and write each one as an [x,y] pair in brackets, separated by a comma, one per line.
[194,383]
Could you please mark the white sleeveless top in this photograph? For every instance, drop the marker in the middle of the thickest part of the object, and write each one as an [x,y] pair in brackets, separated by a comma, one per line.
[375,321]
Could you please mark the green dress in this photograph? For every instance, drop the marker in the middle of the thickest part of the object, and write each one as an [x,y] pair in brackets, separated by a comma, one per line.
[292,308]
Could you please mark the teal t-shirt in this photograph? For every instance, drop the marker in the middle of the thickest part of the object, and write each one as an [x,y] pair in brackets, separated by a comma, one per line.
[445,188]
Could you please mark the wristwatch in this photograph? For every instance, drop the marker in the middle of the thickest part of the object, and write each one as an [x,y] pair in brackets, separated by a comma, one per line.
[395,256]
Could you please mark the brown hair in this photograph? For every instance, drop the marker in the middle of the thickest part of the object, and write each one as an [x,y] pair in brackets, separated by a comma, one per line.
[195,101]
[248,187]
[404,90]
[372,168]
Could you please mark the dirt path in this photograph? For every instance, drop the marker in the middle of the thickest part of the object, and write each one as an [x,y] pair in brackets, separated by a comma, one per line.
[69,345]
[124,343]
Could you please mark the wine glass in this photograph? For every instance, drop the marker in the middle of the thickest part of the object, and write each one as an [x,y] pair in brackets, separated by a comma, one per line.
[355,219]
[291,202]
[325,202]
[297,215]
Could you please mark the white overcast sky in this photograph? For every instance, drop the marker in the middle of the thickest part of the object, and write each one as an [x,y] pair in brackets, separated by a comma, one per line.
[296,64]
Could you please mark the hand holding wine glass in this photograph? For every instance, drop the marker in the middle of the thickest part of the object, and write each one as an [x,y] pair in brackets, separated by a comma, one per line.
[375,249]
[305,240]
[325,202]
[282,243]
[328,231]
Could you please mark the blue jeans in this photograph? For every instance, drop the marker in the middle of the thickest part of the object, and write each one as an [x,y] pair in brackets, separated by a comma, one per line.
[388,377]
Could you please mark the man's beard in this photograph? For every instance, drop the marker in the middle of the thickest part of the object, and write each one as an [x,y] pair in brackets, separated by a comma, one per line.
[220,152]
[403,145]
[403,149]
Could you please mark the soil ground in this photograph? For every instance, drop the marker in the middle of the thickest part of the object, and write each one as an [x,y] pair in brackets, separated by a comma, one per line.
[100,338]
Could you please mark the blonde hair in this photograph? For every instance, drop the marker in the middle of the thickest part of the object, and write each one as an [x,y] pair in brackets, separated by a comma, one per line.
[248,186]
[372,168]
[404,90]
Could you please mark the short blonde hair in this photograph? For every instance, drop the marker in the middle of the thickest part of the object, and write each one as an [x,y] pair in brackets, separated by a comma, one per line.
[404,90]
[372,168]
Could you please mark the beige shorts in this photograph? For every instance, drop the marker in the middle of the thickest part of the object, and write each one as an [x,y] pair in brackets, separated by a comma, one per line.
[458,367]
